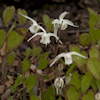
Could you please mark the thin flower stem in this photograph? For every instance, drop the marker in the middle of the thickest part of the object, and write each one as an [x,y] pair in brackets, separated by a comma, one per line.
[59,32]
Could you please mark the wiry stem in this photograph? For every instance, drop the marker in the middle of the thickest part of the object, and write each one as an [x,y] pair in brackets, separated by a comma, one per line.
[59,32]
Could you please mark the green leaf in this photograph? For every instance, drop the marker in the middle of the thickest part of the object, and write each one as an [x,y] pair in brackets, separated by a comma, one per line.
[28,51]
[12,27]
[99,43]
[93,84]
[18,80]
[31,82]
[10,98]
[24,80]
[43,63]
[91,11]
[75,80]
[50,93]
[94,52]
[33,97]
[11,58]
[71,93]
[46,19]
[8,14]
[14,39]
[86,81]
[98,84]
[94,18]
[2,38]
[88,96]
[36,51]
[94,35]
[79,61]
[26,65]
[13,89]
[70,70]
[48,22]
[93,65]
[84,39]
[22,20]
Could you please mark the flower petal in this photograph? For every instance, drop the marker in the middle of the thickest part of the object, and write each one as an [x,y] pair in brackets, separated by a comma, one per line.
[51,34]
[62,15]
[57,57]
[40,33]
[29,18]
[40,27]
[68,22]
[75,53]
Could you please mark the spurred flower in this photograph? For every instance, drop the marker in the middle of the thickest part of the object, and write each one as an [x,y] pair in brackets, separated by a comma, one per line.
[61,22]
[67,57]
[59,83]
[34,28]
[45,37]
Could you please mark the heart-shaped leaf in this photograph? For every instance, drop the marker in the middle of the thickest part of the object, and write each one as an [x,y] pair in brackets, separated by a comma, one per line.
[43,63]
[11,58]
[26,65]
[36,51]
[86,81]
[48,22]
[93,84]
[91,11]
[84,39]
[22,20]
[71,93]
[31,82]
[50,93]
[14,39]
[8,14]
[94,52]
[33,97]
[94,35]
[93,65]
[2,37]
[75,80]
[88,96]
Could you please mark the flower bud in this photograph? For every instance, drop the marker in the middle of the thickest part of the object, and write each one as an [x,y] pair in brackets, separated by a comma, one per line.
[68,78]
[59,83]
[97,96]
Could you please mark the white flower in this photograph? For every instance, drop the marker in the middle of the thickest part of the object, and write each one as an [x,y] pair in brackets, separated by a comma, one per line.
[45,38]
[67,57]
[34,28]
[63,23]
[59,83]
[68,78]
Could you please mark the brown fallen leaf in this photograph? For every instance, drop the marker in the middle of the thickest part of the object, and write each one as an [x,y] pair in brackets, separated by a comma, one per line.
[2,50]
[10,79]
[2,88]
[5,96]
[7,83]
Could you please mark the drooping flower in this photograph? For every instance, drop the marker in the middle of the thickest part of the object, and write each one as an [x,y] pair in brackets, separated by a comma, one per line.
[45,37]
[61,22]
[67,57]
[34,28]
[59,83]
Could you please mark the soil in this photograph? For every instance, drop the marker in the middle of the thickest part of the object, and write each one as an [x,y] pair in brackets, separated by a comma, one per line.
[79,15]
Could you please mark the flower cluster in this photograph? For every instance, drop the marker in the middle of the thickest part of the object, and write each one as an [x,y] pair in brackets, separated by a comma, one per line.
[45,39]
